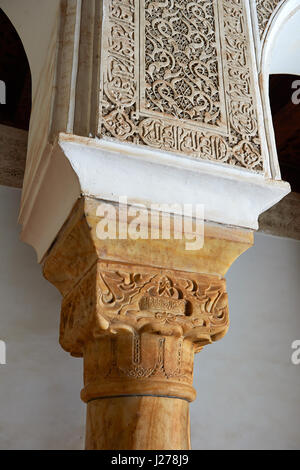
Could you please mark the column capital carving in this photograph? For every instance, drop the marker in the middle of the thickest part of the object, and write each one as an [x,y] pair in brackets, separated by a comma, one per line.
[113,298]
[139,327]
[138,310]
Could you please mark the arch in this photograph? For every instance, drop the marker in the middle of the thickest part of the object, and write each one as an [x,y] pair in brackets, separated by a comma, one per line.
[276,38]
[36,22]
[16,103]
[15,74]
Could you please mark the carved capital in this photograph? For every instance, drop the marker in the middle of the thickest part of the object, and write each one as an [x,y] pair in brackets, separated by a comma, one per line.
[138,328]
[138,310]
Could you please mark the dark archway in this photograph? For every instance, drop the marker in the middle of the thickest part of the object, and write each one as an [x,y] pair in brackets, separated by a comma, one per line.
[15,73]
[286,121]
[15,104]
[283,219]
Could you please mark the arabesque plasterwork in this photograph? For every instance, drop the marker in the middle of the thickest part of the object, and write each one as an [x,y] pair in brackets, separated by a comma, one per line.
[177,76]
[265,9]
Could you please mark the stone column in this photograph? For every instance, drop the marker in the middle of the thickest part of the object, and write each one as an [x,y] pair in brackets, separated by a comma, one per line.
[160,102]
[137,321]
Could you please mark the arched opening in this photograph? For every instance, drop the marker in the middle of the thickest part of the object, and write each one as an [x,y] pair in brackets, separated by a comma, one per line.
[285,109]
[15,104]
[280,79]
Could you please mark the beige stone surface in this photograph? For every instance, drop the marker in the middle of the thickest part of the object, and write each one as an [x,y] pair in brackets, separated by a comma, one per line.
[140,423]
[78,238]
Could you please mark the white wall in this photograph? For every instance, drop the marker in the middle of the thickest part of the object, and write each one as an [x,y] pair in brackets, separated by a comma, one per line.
[248,390]
[40,406]
[285,53]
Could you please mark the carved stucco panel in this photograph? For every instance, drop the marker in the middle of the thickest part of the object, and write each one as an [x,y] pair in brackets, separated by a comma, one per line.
[177,76]
[265,10]
[181,71]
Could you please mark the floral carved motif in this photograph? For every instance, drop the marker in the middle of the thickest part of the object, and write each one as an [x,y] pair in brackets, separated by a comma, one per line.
[265,9]
[182,64]
[177,76]
[114,298]
[136,324]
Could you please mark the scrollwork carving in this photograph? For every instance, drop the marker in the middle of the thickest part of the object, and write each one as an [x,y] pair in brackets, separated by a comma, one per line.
[178,76]
[135,300]
[139,327]
[182,68]
[265,10]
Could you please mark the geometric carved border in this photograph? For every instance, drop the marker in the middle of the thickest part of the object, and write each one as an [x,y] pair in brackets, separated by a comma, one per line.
[177,76]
